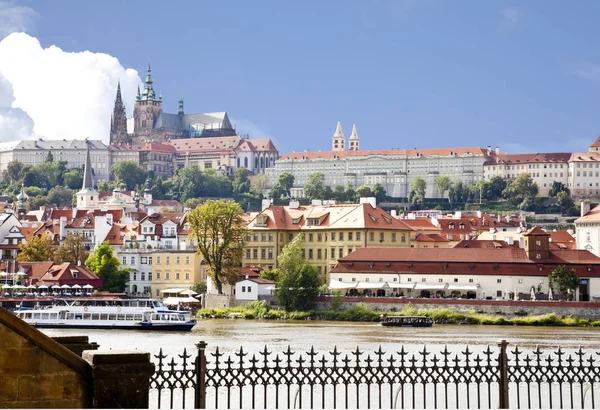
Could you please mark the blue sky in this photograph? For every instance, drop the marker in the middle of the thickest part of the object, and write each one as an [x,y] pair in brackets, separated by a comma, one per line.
[521,75]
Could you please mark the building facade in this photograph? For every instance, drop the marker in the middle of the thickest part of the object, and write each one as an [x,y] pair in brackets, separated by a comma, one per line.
[176,269]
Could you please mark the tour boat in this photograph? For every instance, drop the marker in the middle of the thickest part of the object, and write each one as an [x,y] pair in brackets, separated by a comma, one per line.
[407,321]
[87,313]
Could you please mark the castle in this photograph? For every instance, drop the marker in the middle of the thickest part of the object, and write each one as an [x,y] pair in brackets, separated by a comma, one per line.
[151,124]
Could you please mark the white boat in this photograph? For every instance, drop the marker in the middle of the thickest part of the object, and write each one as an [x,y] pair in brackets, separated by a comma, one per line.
[89,313]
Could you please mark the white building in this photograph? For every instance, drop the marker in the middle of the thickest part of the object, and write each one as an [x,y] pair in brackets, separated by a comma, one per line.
[139,261]
[587,229]
[253,288]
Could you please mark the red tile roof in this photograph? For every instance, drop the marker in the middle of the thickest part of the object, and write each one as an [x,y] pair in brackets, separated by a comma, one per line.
[425,152]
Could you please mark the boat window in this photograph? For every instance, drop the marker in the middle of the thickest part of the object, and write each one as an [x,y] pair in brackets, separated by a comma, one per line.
[45,315]
[53,315]
[104,316]
[165,317]
[121,316]
[155,317]
[95,316]
[87,316]
[27,315]
[129,316]
[112,316]
[70,315]
[138,317]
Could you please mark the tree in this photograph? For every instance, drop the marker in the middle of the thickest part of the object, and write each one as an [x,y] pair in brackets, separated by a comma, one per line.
[443,184]
[496,187]
[47,174]
[49,157]
[105,265]
[128,173]
[276,192]
[566,279]
[220,231]
[193,203]
[104,186]
[520,188]
[73,178]
[363,191]
[240,184]
[39,249]
[350,193]
[13,170]
[200,287]
[563,199]
[188,183]
[72,249]
[379,192]
[285,182]
[258,183]
[298,283]
[558,187]
[61,196]
[315,185]
[416,196]
[270,274]
[339,193]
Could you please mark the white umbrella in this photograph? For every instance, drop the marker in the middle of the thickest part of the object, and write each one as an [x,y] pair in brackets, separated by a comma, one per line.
[76,286]
[43,286]
[532,294]
[550,294]
[188,292]
[6,287]
[88,287]
[3,274]
[65,287]
[31,287]
[56,287]
[515,294]
[19,287]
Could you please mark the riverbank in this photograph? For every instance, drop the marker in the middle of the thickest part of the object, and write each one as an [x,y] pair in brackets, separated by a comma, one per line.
[362,312]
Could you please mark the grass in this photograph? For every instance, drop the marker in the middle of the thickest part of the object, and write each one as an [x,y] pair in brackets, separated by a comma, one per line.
[361,312]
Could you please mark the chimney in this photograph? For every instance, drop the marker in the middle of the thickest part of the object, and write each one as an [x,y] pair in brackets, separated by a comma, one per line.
[510,240]
[507,218]
[265,204]
[394,213]
[489,150]
[63,225]
[497,150]
[585,207]
[79,262]
[493,237]
[316,202]
[478,214]
[294,204]
[521,242]
[371,200]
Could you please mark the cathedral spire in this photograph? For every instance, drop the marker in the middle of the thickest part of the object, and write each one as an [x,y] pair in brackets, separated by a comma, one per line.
[354,139]
[118,99]
[149,94]
[138,96]
[118,121]
[87,170]
[180,108]
[338,142]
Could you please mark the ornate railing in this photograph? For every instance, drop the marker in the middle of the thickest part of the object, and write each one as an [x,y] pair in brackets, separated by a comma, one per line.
[490,378]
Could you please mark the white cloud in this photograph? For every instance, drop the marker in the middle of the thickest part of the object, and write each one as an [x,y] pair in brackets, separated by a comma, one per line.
[510,18]
[65,95]
[15,18]
[248,128]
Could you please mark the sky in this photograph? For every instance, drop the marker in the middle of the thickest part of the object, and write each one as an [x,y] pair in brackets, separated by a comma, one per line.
[524,76]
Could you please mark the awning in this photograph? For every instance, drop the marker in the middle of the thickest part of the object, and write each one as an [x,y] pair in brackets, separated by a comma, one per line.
[395,285]
[177,301]
[463,287]
[188,292]
[172,290]
[336,284]
[431,286]
[372,285]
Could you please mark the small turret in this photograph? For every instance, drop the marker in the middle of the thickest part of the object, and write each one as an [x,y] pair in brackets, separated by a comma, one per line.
[22,200]
[354,143]
[180,107]
[339,139]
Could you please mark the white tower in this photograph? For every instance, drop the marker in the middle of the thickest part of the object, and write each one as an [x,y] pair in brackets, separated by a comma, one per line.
[87,198]
[339,140]
[354,139]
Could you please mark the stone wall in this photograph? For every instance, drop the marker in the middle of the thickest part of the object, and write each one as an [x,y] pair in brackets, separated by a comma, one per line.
[38,372]
[219,301]
[584,310]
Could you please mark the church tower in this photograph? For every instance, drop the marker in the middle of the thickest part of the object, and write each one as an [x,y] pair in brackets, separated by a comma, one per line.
[180,107]
[354,139]
[147,108]
[118,121]
[87,198]
[339,140]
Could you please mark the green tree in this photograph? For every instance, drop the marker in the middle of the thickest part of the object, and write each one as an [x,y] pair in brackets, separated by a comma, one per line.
[61,196]
[193,203]
[379,192]
[339,193]
[496,187]
[565,279]
[258,183]
[298,283]
[563,199]
[200,287]
[47,174]
[73,178]
[128,173]
[558,187]
[520,188]
[480,190]
[443,184]
[220,231]
[32,191]
[104,186]
[13,170]
[39,249]
[49,157]
[276,192]
[285,182]
[240,184]
[364,191]
[188,183]
[350,193]
[105,265]
[416,195]
[72,249]
[315,185]
[270,274]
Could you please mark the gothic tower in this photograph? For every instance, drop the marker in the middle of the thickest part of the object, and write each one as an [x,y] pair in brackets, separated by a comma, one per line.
[87,198]
[354,139]
[180,107]
[147,109]
[118,121]
[339,140]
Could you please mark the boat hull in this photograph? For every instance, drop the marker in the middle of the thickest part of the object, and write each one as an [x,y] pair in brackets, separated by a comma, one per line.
[407,325]
[158,327]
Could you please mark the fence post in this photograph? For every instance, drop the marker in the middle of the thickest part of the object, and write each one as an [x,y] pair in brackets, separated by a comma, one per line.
[200,394]
[503,382]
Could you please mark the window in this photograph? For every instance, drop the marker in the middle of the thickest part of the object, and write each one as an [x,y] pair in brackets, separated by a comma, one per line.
[310,254]
[176,275]
[341,252]
[381,236]
[149,275]
[470,280]
[143,276]
[319,254]
[341,236]
[498,293]
[124,260]
[144,260]
[403,237]
[134,276]
[520,281]
[187,260]
[423,279]
[270,253]
[158,260]
[393,236]
[319,237]
[409,280]
[333,236]
[167,276]
[177,260]
[247,253]
[263,236]
[157,275]
[358,236]
[263,253]
[150,260]
[498,280]
[255,253]
[255,237]
[243,289]
[310,237]
[187,276]
[371,236]
[538,243]
[455,280]
[440,280]
[270,237]
[167,260]
[350,236]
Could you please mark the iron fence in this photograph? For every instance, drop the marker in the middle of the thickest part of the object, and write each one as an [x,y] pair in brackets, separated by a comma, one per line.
[491,378]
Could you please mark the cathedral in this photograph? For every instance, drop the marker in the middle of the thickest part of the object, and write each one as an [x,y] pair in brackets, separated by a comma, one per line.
[151,124]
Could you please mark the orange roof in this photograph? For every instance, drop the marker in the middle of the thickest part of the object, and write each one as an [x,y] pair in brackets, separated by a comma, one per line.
[425,152]
[584,157]
[537,158]
[596,143]
[430,238]
[535,231]
[420,224]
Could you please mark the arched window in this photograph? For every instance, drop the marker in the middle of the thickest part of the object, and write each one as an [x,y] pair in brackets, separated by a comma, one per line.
[238,162]
[246,162]
[262,162]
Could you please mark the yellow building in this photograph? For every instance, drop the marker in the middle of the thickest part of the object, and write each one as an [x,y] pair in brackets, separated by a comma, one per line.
[330,232]
[179,269]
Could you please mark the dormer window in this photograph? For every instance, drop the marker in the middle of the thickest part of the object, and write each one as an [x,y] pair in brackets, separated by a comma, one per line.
[296,221]
[387,219]
[313,221]
[261,220]
[451,225]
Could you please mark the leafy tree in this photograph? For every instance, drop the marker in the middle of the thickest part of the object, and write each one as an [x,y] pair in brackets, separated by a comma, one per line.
[520,188]
[105,265]
[379,192]
[49,157]
[161,188]
[565,279]
[220,231]
[298,283]
[72,249]
[39,249]
[443,184]
[363,191]
[339,193]
[458,193]
[61,196]
[328,192]
[496,187]
[258,183]
[416,196]
[285,182]
[73,178]
[240,184]
[47,174]
[200,287]
[193,203]
[13,170]
[276,192]
[480,190]
[270,274]
[36,202]
[33,191]
[350,193]
[215,186]
[188,182]
[104,186]
[315,185]
[558,187]
[563,199]
[128,173]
